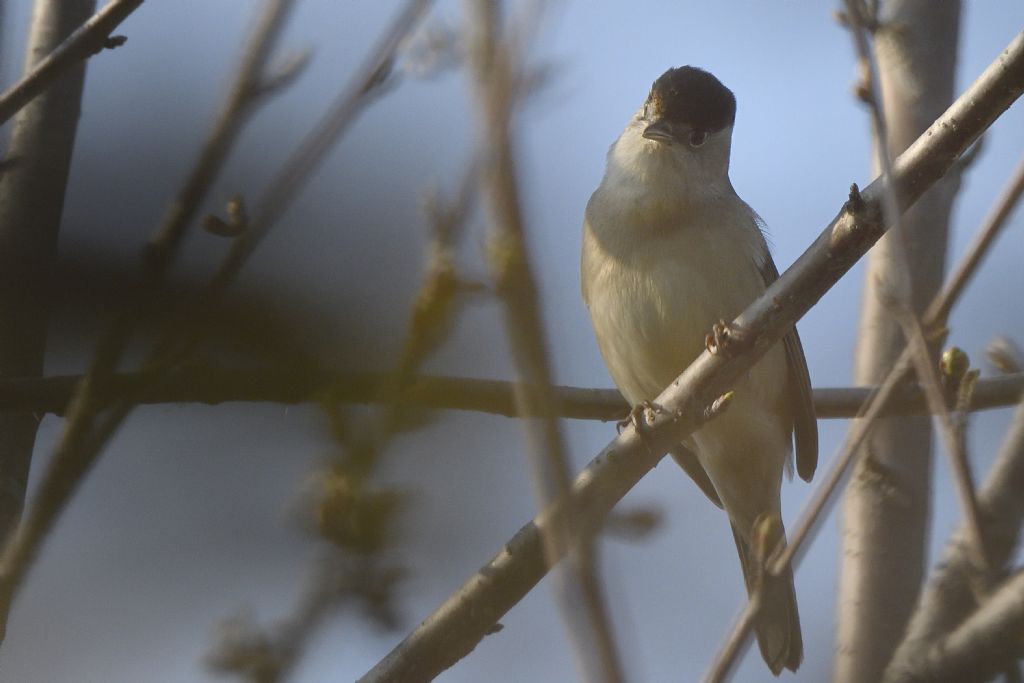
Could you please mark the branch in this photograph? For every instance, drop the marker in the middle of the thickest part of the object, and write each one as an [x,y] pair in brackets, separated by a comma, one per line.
[983,646]
[212,385]
[948,596]
[32,192]
[497,73]
[371,80]
[85,431]
[247,91]
[884,534]
[874,406]
[471,612]
[89,39]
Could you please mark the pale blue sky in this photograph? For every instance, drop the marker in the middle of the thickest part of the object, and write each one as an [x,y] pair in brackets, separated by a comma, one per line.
[184,521]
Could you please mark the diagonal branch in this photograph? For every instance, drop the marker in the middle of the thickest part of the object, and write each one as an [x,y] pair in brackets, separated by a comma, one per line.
[983,646]
[948,596]
[470,613]
[496,78]
[247,91]
[874,406]
[89,39]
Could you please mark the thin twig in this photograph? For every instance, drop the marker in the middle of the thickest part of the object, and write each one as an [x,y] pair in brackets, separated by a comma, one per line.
[86,430]
[928,374]
[247,91]
[75,456]
[994,223]
[949,595]
[470,613]
[370,81]
[496,66]
[88,40]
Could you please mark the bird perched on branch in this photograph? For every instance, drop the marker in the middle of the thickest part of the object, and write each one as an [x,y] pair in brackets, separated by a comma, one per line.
[670,251]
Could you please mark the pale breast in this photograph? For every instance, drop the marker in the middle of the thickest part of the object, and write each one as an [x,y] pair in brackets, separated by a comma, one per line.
[653,302]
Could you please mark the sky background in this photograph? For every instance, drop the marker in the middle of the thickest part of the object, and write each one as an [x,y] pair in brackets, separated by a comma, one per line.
[187,518]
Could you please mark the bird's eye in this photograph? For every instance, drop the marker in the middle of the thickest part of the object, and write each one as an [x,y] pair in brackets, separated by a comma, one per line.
[698,138]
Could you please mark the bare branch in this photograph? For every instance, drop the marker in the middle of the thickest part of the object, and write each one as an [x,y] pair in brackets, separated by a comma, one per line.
[471,612]
[981,647]
[31,207]
[949,593]
[212,385]
[992,226]
[874,406]
[496,68]
[245,95]
[885,508]
[949,596]
[955,445]
[85,431]
[89,39]
[371,80]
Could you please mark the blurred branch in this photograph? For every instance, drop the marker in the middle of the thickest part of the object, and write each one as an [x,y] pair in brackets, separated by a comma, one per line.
[271,655]
[32,191]
[93,416]
[948,597]
[88,39]
[371,80]
[81,443]
[211,385]
[248,90]
[885,507]
[497,70]
[349,511]
[470,613]
[981,647]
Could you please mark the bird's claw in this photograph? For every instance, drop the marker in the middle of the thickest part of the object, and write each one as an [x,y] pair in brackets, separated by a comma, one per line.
[640,416]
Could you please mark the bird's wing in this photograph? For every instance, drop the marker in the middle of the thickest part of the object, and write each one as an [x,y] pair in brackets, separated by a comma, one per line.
[686,459]
[805,424]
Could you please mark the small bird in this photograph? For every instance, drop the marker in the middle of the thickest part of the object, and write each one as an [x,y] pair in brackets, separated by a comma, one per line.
[669,250]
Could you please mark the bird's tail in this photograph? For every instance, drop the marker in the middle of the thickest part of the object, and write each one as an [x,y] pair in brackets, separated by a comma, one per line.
[778,624]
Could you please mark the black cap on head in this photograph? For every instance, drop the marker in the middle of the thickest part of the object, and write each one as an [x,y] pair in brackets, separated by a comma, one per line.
[691,96]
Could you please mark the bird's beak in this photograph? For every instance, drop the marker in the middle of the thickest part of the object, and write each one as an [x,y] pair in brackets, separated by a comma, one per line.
[659,131]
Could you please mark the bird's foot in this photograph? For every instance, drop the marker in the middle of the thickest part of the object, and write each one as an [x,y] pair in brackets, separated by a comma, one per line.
[723,336]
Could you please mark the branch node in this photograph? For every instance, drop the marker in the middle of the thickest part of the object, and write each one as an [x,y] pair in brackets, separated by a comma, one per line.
[855,204]
[114,42]
[726,338]
[285,74]
[236,224]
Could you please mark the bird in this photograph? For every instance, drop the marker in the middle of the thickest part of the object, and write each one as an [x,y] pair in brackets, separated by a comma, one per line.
[670,252]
